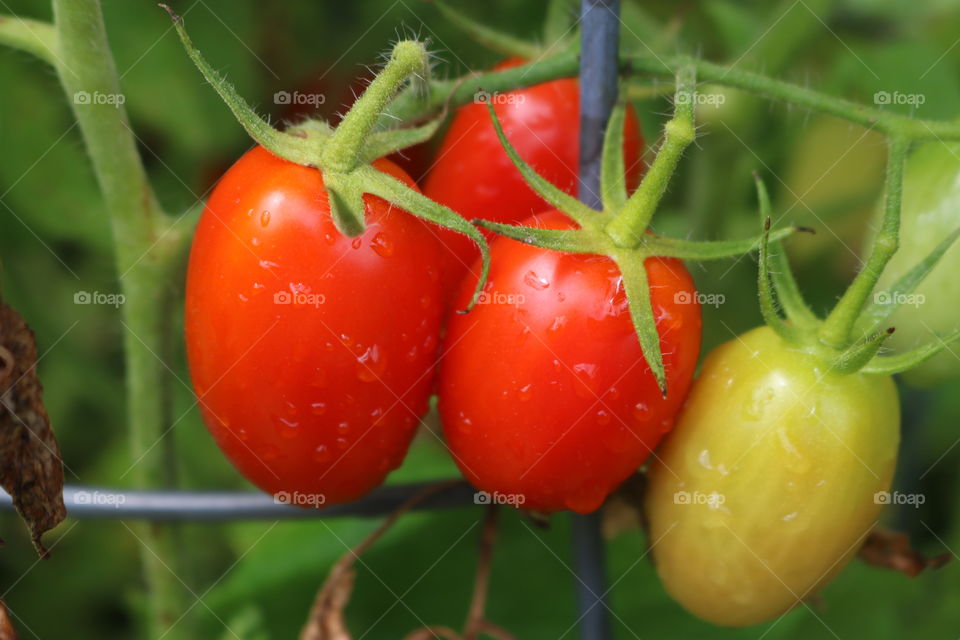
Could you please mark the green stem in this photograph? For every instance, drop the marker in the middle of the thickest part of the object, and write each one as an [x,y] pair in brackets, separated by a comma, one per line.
[628,227]
[342,151]
[32,36]
[838,327]
[144,261]
[488,37]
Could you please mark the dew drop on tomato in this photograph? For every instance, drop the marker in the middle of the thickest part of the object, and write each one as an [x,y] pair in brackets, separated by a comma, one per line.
[264,218]
[382,245]
[535,281]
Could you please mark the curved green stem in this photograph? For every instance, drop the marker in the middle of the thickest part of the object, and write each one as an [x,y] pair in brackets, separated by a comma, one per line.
[145,259]
[768,302]
[889,365]
[342,151]
[628,227]
[488,37]
[709,249]
[838,327]
[613,185]
[32,36]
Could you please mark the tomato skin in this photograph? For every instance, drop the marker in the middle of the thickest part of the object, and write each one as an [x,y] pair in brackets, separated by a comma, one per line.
[317,395]
[796,454]
[930,211]
[474,176]
[544,391]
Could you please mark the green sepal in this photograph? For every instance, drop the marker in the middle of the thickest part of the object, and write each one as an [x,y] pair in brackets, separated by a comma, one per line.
[878,313]
[566,240]
[613,185]
[788,293]
[311,128]
[557,198]
[889,365]
[345,193]
[856,356]
[293,148]
[768,304]
[709,249]
[487,36]
[399,194]
[383,143]
[637,288]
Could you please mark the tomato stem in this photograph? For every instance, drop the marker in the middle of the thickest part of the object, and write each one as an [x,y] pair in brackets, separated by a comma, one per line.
[838,328]
[488,37]
[628,228]
[31,36]
[342,151]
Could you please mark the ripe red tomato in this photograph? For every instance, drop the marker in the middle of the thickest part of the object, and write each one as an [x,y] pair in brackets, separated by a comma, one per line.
[474,176]
[545,396]
[312,354]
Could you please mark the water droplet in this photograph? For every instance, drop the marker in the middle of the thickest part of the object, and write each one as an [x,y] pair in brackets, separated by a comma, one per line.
[322,454]
[267,264]
[243,434]
[329,238]
[242,297]
[412,353]
[464,423]
[288,427]
[525,392]
[586,379]
[558,323]
[343,427]
[255,241]
[382,244]
[373,364]
[258,288]
[249,213]
[536,282]
[603,417]
[356,243]
[318,408]
[264,218]
[342,443]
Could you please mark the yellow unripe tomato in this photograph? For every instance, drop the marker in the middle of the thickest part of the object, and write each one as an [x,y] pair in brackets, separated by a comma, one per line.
[770,480]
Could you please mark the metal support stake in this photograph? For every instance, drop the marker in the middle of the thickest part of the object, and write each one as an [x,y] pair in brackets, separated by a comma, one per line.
[600,40]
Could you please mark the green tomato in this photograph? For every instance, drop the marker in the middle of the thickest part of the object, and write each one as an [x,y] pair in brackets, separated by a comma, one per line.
[930,211]
[768,484]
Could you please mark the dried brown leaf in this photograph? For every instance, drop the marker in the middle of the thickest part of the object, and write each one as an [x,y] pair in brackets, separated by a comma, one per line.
[891,550]
[7,632]
[31,469]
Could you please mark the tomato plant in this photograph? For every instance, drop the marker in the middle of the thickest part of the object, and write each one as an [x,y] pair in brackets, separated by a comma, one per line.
[770,481]
[533,409]
[312,353]
[474,176]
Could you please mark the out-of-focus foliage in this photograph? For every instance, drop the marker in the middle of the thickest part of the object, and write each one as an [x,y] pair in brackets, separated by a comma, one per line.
[260,578]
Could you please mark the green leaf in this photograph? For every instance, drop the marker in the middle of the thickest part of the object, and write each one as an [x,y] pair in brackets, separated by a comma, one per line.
[345,193]
[889,365]
[544,188]
[637,288]
[399,194]
[788,293]
[567,240]
[382,143]
[886,302]
[709,249]
[859,354]
[768,305]
[289,147]
[613,185]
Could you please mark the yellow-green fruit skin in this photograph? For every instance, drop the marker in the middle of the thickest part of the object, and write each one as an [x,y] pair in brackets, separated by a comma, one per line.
[768,483]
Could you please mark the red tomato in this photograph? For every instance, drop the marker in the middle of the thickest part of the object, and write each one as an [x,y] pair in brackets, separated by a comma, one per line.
[474,176]
[545,396]
[312,354]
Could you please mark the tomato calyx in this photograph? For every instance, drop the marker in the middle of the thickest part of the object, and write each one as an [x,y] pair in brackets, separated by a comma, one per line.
[620,229]
[801,328]
[344,154]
